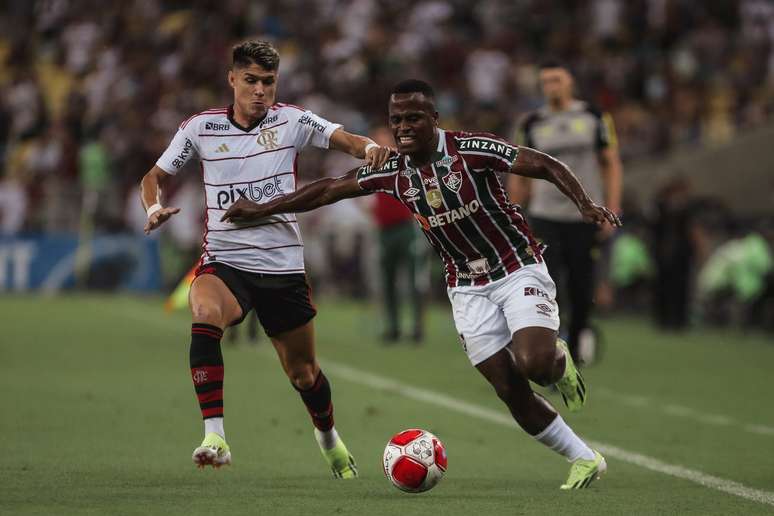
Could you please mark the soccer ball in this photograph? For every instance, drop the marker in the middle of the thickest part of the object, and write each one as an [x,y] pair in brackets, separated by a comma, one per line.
[414,460]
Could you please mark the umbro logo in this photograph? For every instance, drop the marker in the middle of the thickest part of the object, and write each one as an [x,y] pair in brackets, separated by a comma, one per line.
[222,148]
[411,192]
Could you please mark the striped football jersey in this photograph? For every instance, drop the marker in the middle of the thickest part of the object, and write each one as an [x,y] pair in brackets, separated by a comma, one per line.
[461,206]
[257,162]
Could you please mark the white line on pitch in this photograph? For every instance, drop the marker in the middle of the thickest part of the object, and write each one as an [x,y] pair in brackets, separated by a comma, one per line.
[383,383]
[683,411]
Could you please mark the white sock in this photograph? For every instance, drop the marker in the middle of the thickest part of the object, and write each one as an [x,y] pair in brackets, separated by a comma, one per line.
[560,438]
[214,424]
[326,440]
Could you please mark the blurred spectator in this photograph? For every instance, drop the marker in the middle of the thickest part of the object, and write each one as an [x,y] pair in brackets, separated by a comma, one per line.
[674,249]
[402,255]
[98,87]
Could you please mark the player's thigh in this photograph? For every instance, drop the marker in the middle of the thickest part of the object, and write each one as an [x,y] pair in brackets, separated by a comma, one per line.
[527,299]
[212,302]
[480,323]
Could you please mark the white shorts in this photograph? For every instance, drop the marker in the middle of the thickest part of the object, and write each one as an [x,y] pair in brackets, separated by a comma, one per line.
[487,316]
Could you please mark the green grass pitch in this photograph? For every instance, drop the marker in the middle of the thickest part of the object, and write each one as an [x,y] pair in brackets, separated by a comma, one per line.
[99,417]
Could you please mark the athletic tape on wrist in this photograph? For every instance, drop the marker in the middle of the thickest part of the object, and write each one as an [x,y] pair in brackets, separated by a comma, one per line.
[153,209]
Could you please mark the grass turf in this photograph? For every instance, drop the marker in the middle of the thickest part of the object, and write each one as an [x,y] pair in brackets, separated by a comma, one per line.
[100,418]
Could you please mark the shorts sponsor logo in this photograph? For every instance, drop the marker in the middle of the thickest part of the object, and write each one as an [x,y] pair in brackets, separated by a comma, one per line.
[454,215]
[544,309]
[267,139]
[534,291]
[311,122]
[478,267]
[181,158]
[216,126]
[255,191]
[434,198]
[453,181]
[430,181]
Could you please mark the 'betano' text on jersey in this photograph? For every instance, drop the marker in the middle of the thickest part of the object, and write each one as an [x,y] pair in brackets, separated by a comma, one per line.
[257,162]
[461,205]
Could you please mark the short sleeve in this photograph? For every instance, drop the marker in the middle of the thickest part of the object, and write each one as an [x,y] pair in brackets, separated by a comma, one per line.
[378,180]
[181,149]
[606,136]
[484,151]
[313,130]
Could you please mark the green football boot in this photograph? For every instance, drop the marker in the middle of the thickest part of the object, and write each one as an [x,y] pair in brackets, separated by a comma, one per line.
[571,385]
[213,452]
[584,471]
[342,462]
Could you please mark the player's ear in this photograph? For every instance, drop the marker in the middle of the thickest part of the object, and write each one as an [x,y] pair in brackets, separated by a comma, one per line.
[231,78]
[435,118]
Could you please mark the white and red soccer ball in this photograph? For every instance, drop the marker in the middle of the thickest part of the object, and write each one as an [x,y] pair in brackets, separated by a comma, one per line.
[414,460]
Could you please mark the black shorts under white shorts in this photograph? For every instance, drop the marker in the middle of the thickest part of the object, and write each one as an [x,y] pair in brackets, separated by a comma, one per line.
[282,302]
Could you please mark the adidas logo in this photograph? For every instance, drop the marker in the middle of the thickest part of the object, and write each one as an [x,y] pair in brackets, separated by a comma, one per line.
[222,148]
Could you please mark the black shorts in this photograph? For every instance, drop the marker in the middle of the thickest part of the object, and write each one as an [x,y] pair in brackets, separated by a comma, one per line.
[282,302]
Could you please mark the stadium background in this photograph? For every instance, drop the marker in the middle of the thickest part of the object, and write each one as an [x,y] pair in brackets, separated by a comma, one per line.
[91,93]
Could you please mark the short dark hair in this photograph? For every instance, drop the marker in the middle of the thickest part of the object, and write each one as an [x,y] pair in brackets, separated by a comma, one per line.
[413,86]
[257,52]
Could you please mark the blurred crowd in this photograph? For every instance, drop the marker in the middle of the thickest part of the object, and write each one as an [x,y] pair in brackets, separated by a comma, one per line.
[91,92]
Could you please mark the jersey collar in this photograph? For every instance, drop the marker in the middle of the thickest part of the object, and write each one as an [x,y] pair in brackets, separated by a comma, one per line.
[241,127]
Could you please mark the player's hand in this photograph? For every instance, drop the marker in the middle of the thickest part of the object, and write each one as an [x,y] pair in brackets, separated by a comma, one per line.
[243,211]
[599,215]
[377,156]
[159,217]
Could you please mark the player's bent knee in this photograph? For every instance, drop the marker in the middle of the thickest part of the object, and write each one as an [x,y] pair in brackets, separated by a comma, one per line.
[207,312]
[303,377]
[537,364]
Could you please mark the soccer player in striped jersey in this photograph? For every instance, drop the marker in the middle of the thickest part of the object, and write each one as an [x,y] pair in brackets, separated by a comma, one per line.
[249,150]
[501,294]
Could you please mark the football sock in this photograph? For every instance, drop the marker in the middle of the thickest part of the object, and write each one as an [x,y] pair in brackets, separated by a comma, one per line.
[560,438]
[327,440]
[317,399]
[207,373]
[214,424]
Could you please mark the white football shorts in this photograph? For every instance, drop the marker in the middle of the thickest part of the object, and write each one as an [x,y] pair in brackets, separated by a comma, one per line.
[487,316]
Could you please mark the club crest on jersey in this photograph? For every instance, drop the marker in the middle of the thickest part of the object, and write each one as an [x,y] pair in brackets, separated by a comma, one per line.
[453,181]
[267,139]
[434,198]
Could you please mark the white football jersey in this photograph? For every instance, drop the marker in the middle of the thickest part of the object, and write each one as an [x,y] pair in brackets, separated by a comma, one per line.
[257,162]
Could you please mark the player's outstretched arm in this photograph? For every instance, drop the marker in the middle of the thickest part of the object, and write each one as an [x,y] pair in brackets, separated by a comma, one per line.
[539,165]
[310,197]
[150,195]
[361,147]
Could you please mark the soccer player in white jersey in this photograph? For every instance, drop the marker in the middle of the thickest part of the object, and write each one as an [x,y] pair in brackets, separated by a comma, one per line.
[249,150]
